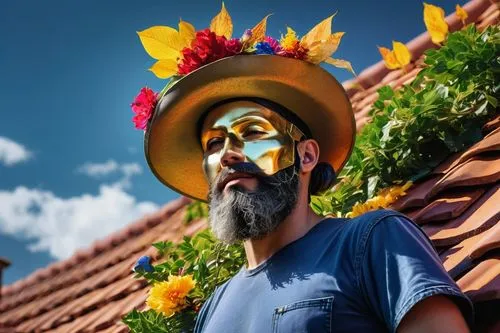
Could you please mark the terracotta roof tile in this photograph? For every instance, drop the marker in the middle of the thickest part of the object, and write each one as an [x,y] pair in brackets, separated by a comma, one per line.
[480,216]
[482,283]
[462,256]
[448,206]
[457,206]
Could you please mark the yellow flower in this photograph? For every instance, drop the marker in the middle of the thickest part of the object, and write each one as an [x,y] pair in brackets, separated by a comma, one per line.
[399,57]
[169,297]
[461,13]
[290,40]
[435,23]
[384,199]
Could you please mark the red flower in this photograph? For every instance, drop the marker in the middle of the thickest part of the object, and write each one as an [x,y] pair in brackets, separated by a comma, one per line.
[143,107]
[205,48]
[233,46]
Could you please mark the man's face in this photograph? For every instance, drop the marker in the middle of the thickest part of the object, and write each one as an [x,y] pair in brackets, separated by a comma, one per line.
[249,162]
[247,132]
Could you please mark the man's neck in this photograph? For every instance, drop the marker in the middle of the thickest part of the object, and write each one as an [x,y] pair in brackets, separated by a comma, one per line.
[296,225]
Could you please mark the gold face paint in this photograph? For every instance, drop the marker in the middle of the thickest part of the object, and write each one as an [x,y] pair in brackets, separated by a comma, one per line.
[262,136]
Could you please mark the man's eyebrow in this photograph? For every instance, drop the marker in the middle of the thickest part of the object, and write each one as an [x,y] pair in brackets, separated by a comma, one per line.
[255,115]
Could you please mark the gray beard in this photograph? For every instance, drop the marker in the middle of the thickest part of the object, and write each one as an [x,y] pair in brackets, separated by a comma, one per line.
[242,215]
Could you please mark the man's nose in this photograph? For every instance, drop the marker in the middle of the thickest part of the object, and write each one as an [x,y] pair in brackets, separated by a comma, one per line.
[232,152]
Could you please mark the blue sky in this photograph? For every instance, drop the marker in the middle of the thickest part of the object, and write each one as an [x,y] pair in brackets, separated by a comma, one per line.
[71,164]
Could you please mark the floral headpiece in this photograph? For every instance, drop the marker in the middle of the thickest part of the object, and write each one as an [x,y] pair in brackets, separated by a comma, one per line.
[180,52]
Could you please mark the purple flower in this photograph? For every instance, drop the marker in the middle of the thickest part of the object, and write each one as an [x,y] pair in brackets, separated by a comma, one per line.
[275,45]
[246,35]
[263,48]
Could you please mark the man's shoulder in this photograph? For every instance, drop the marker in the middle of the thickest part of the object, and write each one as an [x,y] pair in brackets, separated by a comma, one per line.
[363,225]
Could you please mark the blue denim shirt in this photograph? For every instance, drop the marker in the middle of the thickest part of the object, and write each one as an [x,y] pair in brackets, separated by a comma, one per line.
[345,275]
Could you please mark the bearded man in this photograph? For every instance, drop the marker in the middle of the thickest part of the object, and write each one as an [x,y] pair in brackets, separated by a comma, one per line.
[256,136]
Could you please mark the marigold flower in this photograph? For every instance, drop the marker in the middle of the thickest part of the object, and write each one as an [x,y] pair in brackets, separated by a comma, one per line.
[169,297]
[384,199]
[143,107]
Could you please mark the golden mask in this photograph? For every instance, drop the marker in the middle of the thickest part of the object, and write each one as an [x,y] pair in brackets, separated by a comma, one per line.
[261,136]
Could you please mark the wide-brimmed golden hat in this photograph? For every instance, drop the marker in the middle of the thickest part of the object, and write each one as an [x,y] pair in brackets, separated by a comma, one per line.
[172,142]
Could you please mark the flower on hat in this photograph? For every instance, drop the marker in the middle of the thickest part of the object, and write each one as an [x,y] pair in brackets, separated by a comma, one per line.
[264,48]
[181,51]
[207,47]
[169,297]
[143,107]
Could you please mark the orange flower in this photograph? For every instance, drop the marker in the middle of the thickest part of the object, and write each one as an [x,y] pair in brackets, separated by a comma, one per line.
[461,13]
[399,57]
[169,297]
[435,23]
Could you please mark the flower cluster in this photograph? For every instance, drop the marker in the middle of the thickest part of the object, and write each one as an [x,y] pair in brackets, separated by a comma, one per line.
[207,48]
[169,297]
[180,52]
[384,199]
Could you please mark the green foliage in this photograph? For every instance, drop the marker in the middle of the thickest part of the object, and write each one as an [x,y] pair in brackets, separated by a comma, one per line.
[416,127]
[150,321]
[413,130]
[210,262]
[195,210]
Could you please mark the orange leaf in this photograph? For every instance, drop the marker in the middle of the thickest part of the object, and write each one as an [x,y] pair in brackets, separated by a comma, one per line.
[319,51]
[340,63]
[258,32]
[221,24]
[435,23]
[389,58]
[321,32]
[461,13]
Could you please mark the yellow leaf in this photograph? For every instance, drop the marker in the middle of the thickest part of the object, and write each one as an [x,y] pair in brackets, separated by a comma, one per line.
[435,23]
[161,42]
[321,50]
[389,58]
[461,13]
[320,32]
[401,52]
[164,68]
[258,32]
[339,63]
[221,24]
[186,32]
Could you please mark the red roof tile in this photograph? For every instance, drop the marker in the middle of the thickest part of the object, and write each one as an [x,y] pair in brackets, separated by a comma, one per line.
[457,206]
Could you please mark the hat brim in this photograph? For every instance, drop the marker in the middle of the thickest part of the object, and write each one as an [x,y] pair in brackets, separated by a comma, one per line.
[172,145]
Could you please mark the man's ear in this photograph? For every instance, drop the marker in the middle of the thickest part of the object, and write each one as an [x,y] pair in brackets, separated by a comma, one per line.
[309,154]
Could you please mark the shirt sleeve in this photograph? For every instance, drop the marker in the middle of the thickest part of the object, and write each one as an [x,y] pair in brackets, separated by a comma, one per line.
[399,267]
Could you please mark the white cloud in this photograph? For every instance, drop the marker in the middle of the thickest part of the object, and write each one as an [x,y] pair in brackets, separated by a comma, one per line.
[62,225]
[12,152]
[100,170]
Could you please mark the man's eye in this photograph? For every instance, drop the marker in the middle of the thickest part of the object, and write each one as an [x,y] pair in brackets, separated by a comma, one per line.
[253,133]
[215,144]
